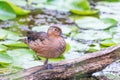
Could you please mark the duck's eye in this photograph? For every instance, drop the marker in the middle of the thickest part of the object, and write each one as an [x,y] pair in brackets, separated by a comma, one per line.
[55,29]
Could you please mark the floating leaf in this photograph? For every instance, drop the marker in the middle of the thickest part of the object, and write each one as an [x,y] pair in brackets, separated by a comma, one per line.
[54,59]
[94,48]
[76,46]
[114,30]
[3,34]
[21,2]
[9,35]
[112,76]
[9,10]
[68,29]
[9,70]
[5,58]
[73,55]
[80,4]
[116,40]
[18,10]
[91,35]
[23,58]
[67,47]
[81,7]
[85,12]
[95,23]
[3,48]
[108,42]
[11,43]
[6,12]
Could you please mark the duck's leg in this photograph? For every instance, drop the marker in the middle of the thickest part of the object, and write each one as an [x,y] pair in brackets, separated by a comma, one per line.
[48,66]
[46,61]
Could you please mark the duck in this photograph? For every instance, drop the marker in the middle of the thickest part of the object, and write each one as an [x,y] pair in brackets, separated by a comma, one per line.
[50,44]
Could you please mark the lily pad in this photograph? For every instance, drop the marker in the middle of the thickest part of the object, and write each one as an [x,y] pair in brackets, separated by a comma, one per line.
[94,48]
[116,40]
[80,4]
[23,58]
[84,12]
[6,14]
[3,48]
[9,35]
[11,43]
[77,46]
[9,69]
[91,35]
[112,76]
[73,55]
[3,34]
[114,30]
[95,23]
[53,60]
[81,7]
[68,29]
[108,42]
[9,10]
[68,47]
[5,58]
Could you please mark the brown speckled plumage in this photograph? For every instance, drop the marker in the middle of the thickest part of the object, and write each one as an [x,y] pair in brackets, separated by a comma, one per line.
[48,45]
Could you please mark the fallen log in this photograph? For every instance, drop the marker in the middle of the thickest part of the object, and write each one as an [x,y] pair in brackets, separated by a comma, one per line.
[86,64]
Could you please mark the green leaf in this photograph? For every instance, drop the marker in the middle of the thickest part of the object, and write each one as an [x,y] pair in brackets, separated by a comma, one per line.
[9,70]
[11,43]
[3,48]
[67,47]
[67,29]
[76,46]
[5,34]
[84,12]
[6,12]
[95,23]
[81,4]
[9,10]
[91,35]
[115,30]
[116,40]
[112,76]
[110,21]
[108,42]
[73,55]
[18,10]
[61,57]
[21,2]
[23,58]
[81,7]
[94,48]
[4,58]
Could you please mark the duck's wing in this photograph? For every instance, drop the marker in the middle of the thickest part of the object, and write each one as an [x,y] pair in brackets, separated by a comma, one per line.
[32,36]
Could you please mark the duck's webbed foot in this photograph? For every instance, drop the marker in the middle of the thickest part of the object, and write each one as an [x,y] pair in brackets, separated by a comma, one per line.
[48,66]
